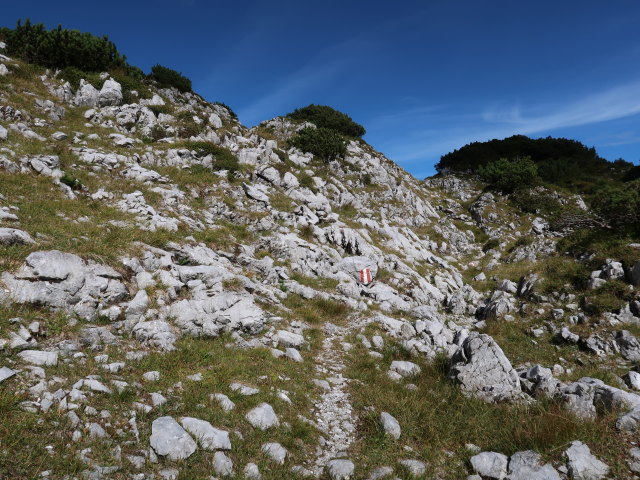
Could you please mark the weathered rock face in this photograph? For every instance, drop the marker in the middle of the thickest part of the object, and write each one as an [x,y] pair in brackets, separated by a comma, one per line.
[484,371]
[64,281]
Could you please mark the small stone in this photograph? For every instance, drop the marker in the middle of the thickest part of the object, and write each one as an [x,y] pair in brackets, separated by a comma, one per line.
[224,402]
[405,369]
[275,452]
[490,465]
[381,472]
[152,376]
[222,464]
[340,469]
[252,472]
[390,425]
[263,417]
[243,389]
[414,467]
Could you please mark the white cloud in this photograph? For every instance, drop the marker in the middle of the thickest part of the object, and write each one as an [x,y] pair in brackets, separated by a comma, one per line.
[495,122]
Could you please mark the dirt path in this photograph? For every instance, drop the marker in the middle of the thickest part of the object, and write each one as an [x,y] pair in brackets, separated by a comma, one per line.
[334,413]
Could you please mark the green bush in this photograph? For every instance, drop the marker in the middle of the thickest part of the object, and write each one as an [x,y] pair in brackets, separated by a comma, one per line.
[224,159]
[323,116]
[509,175]
[491,244]
[324,143]
[71,181]
[60,48]
[618,204]
[167,77]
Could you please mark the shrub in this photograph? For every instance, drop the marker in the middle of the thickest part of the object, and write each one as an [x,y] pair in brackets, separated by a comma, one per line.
[509,175]
[491,244]
[618,204]
[323,116]
[71,181]
[224,159]
[60,48]
[321,142]
[167,77]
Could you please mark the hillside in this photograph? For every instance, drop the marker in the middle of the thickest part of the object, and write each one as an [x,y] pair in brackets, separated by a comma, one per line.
[185,297]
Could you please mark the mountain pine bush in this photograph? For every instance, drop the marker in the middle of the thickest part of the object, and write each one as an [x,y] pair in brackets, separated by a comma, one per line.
[324,143]
[323,116]
[166,77]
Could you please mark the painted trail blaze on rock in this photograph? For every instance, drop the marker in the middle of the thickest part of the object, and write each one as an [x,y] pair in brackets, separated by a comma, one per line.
[365,276]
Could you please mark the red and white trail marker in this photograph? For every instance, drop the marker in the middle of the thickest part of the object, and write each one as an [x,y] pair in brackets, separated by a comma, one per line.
[365,276]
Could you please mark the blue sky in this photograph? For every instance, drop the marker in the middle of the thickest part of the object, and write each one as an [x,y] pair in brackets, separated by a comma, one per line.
[424,77]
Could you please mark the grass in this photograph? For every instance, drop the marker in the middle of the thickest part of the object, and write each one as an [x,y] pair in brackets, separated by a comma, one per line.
[318,283]
[316,310]
[437,420]
[24,436]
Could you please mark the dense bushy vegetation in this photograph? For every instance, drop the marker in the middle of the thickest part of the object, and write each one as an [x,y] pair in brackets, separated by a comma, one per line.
[509,174]
[324,143]
[560,161]
[60,48]
[167,77]
[81,55]
[324,116]
[223,158]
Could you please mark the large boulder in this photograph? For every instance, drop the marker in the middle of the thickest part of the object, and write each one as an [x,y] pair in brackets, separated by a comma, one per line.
[353,265]
[110,94]
[64,281]
[87,95]
[483,370]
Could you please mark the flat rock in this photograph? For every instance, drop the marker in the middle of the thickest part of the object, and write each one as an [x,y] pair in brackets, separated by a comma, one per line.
[527,466]
[169,439]
[37,357]
[13,236]
[209,437]
[405,369]
[6,372]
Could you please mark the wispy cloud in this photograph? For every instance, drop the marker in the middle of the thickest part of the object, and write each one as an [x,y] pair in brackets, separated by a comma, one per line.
[308,78]
[427,144]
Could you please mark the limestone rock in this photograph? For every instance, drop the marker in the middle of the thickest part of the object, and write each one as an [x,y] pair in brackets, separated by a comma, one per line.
[169,439]
[483,370]
[263,417]
[583,465]
[209,437]
[490,465]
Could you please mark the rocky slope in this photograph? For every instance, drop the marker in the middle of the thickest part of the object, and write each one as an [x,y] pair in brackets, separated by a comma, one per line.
[164,317]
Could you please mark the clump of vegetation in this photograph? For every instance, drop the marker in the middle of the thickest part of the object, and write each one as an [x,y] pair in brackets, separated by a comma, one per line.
[71,181]
[224,159]
[322,142]
[166,77]
[509,175]
[491,244]
[323,116]
[618,204]
[60,48]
